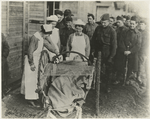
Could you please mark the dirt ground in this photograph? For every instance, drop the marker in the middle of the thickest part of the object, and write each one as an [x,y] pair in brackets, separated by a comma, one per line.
[121,102]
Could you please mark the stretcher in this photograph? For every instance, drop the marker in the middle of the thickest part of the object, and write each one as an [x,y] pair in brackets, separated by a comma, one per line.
[51,71]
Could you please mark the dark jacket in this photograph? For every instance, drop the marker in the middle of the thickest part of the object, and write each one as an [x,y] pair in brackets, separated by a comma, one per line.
[89,29]
[131,38]
[5,53]
[5,47]
[104,40]
[144,43]
[60,25]
[64,35]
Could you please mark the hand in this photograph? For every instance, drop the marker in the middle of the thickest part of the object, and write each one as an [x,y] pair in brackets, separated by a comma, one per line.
[60,58]
[110,60]
[92,53]
[32,67]
[67,58]
[56,52]
[127,52]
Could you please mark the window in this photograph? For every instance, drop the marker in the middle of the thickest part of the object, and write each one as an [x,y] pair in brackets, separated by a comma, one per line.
[51,7]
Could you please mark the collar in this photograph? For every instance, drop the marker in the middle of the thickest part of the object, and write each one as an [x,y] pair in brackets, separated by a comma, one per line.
[135,30]
[78,34]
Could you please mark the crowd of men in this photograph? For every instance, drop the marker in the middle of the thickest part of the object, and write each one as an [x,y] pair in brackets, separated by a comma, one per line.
[123,42]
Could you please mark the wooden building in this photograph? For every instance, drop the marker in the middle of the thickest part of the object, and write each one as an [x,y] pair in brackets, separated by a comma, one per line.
[23,18]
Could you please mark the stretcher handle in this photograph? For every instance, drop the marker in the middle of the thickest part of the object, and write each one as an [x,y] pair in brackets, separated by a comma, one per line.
[57,56]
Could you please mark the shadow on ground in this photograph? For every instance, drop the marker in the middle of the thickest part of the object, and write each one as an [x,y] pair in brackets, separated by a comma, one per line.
[121,102]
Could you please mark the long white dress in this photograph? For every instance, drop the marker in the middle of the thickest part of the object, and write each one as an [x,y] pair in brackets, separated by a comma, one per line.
[55,39]
[29,78]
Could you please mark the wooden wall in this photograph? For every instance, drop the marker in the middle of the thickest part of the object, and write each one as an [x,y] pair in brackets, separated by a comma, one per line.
[72,5]
[16,16]
[36,12]
[12,27]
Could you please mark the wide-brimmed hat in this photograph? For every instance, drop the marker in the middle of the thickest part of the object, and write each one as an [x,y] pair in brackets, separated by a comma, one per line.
[52,18]
[46,28]
[79,22]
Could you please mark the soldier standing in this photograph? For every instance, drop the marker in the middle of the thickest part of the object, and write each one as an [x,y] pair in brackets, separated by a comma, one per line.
[89,30]
[65,33]
[121,30]
[143,54]
[129,47]
[104,40]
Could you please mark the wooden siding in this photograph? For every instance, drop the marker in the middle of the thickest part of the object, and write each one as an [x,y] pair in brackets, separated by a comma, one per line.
[12,27]
[35,12]
[4,26]
[72,5]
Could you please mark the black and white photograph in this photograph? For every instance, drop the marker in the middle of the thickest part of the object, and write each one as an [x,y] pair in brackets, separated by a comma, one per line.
[75,59]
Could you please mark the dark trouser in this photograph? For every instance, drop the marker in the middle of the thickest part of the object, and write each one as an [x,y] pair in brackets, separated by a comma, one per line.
[142,69]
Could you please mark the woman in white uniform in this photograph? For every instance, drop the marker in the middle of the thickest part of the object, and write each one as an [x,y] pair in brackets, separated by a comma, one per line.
[78,42]
[29,78]
[54,37]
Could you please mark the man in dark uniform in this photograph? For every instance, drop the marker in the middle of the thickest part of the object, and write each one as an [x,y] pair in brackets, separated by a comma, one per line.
[65,32]
[143,54]
[121,30]
[61,24]
[129,47]
[104,40]
[5,53]
[89,30]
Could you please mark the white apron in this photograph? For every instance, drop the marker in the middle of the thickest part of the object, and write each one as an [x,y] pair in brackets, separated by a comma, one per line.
[29,78]
[78,45]
[55,39]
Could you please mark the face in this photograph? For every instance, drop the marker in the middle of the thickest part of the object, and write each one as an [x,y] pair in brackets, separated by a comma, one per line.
[81,80]
[142,26]
[90,20]
[124,20]
[59,17]
[119,23]
[68,24]
[111,21]
[53,24]
[105,23]
[127,22]
[79,28]
[133,24]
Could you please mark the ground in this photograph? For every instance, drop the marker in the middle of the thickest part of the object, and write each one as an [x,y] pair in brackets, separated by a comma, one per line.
[121,102]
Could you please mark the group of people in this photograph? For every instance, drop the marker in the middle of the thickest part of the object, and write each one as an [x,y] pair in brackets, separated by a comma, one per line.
[119,40]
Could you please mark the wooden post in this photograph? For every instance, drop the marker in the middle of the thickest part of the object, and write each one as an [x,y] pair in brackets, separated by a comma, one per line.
[45,11]
[53,7]
[7,17]
[24,27]
[98,72]
[28,18]
[24,15]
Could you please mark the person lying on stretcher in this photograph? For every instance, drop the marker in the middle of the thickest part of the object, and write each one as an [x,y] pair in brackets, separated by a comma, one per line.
[65,93]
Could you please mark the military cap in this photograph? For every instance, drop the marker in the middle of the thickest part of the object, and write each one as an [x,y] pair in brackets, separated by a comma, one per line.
[67,12]
[143,21]
[134,18]
[128,17]
[105,17]
[119,18]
